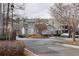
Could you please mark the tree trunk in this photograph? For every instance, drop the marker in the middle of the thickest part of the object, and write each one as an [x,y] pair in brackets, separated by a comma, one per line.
[3,18]
[73,34]
[69,31]
[7,21]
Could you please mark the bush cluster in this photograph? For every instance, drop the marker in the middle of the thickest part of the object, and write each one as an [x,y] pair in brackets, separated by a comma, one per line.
[4,37]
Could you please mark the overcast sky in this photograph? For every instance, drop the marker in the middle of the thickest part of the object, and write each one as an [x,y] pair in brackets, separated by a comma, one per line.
[36,10]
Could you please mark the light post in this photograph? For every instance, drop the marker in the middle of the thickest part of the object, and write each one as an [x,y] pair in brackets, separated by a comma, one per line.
[12,6]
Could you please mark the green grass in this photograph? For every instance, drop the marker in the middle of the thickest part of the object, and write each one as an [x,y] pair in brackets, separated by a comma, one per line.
[39,36]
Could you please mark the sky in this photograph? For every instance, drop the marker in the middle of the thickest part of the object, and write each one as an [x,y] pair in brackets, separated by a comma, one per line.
[36,10]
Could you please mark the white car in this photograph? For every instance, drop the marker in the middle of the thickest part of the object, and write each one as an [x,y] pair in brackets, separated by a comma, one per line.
[65,34]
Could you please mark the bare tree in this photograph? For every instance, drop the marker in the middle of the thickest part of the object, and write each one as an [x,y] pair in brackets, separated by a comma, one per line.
[8,14]
[66,14]
[40,26]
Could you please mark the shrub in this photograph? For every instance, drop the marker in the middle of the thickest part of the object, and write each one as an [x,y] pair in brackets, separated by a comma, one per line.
[11,48]
[39,36]
[3,37]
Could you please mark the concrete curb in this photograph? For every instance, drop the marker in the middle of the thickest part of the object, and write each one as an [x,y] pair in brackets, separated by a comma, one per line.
[29,53]
[72,46]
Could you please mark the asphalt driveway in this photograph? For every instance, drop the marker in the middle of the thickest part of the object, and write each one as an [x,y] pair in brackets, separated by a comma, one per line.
[50,47]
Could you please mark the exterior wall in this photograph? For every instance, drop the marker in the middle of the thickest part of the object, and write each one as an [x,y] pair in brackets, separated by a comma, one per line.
[20,26]
[57,25]
[30,26]
[31,29]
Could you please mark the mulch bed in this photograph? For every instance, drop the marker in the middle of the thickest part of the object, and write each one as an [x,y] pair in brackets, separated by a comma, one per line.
[11,48]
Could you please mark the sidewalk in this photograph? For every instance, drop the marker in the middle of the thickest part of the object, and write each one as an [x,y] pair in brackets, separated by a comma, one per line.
[50,38]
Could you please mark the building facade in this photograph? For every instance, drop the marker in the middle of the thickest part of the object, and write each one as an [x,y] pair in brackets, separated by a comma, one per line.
[30,28]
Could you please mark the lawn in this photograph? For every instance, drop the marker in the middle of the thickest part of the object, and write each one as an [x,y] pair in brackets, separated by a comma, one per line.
[38,36]
[71,42]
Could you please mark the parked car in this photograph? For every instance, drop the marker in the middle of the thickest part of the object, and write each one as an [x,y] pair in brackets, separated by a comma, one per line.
[56,32]
[21,36]
[77,33]
[65,35]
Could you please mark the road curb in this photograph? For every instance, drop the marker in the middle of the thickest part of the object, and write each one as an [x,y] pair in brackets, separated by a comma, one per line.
[72,46]
[28,52]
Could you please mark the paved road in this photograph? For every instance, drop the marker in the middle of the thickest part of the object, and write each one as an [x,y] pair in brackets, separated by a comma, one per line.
[50,47]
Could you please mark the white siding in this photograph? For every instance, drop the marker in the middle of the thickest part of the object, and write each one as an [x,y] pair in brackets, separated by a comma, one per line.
[31,29]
